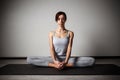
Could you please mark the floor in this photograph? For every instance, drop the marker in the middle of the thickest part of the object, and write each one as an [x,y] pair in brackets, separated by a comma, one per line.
[59,77]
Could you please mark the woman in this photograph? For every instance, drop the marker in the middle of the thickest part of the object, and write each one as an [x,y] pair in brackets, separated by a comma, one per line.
[60,42]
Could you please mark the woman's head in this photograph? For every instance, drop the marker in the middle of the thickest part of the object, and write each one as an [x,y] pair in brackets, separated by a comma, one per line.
[59,15]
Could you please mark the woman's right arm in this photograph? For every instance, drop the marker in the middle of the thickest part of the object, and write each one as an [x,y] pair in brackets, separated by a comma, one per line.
[52,51]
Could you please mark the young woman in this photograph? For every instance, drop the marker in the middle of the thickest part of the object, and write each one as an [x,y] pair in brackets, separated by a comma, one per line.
[60,41]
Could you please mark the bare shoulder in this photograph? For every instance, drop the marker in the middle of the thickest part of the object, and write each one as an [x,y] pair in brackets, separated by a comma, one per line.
[71,33]
[51,33]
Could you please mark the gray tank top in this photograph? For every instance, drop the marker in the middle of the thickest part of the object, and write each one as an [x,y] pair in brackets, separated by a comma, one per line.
[61,44]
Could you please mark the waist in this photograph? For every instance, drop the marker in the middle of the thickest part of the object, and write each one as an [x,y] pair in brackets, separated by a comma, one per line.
[61,57]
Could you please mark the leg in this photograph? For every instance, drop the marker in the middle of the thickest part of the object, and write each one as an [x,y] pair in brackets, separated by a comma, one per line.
[53,65]
[69,65]
[39,60]
[82,61]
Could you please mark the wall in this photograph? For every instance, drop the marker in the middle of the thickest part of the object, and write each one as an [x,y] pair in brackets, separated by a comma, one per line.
[25,25]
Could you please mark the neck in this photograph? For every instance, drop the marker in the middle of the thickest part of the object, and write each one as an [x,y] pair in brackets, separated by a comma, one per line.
[60,28]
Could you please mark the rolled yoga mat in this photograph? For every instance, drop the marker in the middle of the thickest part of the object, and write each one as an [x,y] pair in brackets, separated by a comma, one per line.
[28,69]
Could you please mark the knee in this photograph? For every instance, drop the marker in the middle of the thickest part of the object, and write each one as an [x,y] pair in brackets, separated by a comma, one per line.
[91,61]
[28,60]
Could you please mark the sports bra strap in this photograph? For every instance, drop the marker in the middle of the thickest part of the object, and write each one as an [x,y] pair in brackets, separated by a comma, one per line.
[67,33]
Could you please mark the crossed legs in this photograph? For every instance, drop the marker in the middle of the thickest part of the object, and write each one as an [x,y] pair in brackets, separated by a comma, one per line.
[73,62]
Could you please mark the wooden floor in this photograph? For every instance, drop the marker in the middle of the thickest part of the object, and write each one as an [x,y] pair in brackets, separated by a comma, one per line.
[59,77]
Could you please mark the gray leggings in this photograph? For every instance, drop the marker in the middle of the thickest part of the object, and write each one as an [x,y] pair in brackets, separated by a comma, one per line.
[76,61]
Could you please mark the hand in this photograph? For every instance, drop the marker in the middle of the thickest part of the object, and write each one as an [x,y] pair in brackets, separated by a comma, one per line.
[62,65]
[59,65]
[64,62]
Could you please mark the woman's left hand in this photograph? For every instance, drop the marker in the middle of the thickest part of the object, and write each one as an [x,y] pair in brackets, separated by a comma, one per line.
[62,65]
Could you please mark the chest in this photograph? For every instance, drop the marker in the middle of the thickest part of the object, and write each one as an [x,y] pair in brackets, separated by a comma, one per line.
[60,41]
[61,35]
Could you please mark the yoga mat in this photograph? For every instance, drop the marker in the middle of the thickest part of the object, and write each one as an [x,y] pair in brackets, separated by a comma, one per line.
[28,69]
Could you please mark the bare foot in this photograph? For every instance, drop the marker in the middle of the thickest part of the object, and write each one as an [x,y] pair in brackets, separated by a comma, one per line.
[57,66]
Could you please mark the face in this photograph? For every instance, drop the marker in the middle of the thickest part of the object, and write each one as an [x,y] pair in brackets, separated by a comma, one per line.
[61,20]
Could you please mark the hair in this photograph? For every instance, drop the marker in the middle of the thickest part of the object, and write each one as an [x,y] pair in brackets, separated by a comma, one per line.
[60,13]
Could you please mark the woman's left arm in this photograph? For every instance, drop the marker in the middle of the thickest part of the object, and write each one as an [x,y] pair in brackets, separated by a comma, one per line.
[68,54]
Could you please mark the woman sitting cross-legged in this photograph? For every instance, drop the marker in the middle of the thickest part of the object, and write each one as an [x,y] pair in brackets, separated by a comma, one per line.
[60,41]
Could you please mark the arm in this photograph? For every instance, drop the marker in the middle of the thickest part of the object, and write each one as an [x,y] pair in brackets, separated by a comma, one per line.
[52,52]
[68,54]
